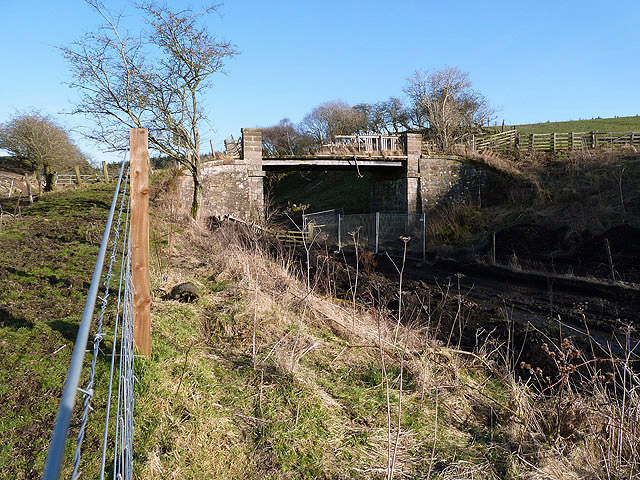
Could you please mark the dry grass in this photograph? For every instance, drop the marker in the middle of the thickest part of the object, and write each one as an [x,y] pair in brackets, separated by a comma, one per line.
[582,190]
[267,378]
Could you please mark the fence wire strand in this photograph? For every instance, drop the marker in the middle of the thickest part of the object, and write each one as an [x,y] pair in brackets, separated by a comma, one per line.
[123,348]
[117,323]
[123,449]
[88,391]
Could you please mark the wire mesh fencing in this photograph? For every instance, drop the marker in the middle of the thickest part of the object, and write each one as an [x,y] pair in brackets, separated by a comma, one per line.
[323,226]
[116,450]
[377,232]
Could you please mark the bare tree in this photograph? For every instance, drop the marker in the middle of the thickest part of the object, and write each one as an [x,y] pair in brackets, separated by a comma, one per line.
[152,80]
[333,118]
[444,101]
[394,115]
[389,117]
[40,143]
[285,139]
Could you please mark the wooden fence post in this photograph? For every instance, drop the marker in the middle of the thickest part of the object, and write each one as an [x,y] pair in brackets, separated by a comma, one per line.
[139,177]
[27,184]
[77,169]
[105,172]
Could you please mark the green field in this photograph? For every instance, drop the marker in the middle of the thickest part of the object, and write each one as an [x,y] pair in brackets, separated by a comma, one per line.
[617,124]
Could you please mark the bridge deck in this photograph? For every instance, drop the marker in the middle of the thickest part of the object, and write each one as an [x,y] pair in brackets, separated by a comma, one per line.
[350,162]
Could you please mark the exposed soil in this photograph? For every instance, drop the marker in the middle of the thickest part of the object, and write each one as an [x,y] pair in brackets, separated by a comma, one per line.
[464,301]
[614,253]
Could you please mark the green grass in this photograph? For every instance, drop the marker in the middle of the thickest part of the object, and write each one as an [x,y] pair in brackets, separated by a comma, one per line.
[202,409]
[47,257]
[617,124]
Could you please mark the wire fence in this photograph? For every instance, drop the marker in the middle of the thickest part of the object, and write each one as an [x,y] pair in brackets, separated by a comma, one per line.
[378,232]
[117,439]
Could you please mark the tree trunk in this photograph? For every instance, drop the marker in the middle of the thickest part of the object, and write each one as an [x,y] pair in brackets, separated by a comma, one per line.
[27,184]
[196,204]
[39,179]
[49,178]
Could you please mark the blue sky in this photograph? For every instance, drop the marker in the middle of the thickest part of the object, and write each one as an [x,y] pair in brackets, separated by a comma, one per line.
[534,61]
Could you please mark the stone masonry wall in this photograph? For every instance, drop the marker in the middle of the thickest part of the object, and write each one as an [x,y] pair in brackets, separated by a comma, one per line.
[449,179]
[388,193]
[233,186]
[225,190]
[252,156]
[435,181]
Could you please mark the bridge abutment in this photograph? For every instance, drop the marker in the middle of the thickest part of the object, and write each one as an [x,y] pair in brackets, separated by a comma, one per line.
[400,192]
[231,185]
[251,154]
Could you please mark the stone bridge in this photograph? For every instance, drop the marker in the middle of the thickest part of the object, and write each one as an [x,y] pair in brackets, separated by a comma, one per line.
[408,181]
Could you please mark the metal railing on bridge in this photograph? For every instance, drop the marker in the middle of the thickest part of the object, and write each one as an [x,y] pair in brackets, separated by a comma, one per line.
[369,143]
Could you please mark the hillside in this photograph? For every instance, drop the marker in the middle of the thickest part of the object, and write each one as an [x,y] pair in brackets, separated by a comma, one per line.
[617,124]
[268,376]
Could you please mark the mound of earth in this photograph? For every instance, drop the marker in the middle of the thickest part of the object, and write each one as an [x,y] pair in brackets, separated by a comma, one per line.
[566,250]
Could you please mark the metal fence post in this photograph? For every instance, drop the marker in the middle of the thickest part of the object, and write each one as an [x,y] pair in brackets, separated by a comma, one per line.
[424,236]
[339,232]
[377,230]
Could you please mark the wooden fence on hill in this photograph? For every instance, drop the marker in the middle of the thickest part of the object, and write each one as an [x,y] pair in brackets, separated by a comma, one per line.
[68,179]
[7,185]
[551,142]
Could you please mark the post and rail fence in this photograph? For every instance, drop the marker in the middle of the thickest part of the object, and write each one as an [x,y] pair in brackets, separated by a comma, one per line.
[126,234]
[76,178]
[550,142]
[7,184]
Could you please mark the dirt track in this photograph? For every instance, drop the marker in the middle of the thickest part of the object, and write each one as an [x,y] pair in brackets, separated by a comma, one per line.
[500,302]
[544,300]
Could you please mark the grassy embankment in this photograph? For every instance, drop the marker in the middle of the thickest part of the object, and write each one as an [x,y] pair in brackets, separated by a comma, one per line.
[264,378]
[582,190]
[617,124]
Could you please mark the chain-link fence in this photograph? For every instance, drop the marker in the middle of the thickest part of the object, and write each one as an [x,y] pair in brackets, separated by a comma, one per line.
[323,226]
[378,232]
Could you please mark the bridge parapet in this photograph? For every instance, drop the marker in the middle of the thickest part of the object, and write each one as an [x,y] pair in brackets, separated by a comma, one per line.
[409,183]
[389,144]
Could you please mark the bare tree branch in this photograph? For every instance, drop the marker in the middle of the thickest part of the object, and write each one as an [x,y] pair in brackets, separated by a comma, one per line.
[153,80]
[443,102]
